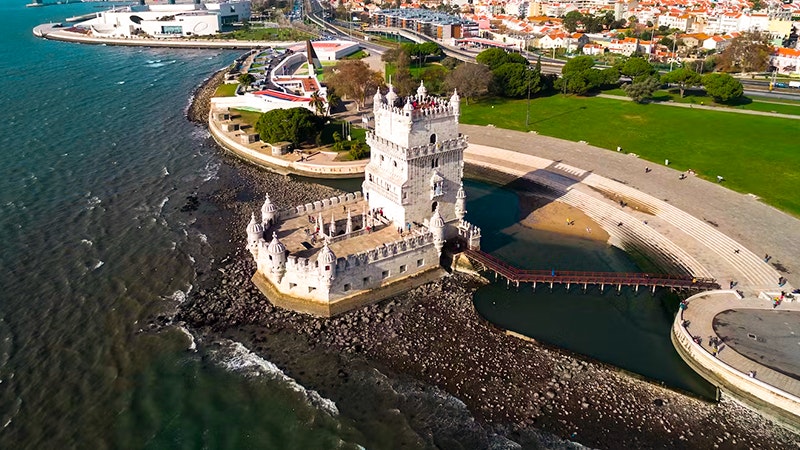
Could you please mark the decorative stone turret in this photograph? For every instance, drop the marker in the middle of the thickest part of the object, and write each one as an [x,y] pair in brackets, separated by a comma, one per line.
[327,264]
[408,107]
[461,202]
[333,226]
[349,226]
[377,99]
[421,91]
[455,103]
[436,226]
[276,252]
[255,233]
[269,213]
[391,96]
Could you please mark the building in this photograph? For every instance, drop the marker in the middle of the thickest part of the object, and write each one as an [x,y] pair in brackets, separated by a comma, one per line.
[430,23]
[336,254]
[786,60]
[169,20]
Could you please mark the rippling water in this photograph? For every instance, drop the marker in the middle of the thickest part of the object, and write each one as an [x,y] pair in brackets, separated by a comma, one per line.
[96,160]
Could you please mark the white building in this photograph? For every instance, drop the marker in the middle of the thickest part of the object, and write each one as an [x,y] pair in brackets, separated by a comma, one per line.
[169,20]
[412,202]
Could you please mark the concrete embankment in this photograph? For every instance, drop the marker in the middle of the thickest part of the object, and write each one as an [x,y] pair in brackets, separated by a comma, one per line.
[55,33]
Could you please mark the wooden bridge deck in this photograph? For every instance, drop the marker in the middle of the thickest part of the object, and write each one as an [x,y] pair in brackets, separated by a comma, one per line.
[517,276]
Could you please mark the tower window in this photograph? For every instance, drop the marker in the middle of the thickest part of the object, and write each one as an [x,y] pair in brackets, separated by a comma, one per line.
[433,138]
[434,163]
[433,206]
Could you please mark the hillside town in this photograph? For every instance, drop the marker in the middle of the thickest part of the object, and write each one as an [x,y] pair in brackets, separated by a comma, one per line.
[668,31]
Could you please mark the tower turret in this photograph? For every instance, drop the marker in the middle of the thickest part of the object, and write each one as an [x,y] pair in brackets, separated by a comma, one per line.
[455,103]
[436,225]
[391,96]
[327,264]
[255,233]
[377,99]
[461,202]
[421,91]
[276,253]
[269,213]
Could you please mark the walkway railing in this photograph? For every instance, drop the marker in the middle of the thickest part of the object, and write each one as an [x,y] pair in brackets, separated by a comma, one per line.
[569,277]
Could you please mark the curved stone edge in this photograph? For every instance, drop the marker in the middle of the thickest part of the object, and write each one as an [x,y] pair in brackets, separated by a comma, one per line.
[348,170]
[780,405]
[46,31]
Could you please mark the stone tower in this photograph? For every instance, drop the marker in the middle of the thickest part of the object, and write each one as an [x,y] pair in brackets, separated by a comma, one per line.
[417,159]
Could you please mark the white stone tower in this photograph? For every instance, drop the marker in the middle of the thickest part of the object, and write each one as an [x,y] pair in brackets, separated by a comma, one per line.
[417,160]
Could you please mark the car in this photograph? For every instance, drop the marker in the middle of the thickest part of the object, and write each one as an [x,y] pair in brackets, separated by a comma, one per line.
[781,85]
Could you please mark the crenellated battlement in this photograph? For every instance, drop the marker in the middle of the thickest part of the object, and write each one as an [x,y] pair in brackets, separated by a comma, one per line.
[397,151]
[319,206]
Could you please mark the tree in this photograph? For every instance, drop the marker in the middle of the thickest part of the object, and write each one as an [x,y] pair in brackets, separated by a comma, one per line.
[317,102]
[403,82]
[636,67]
[471,80]
[571,21]
[684,78]
[577,64]
[511,80]
[433,77]
[641,90]
[246,78]
[493,57]
[294,125]
[722,86]
[354,79]
[749,52]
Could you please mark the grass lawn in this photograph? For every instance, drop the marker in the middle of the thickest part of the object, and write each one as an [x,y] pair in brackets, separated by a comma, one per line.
[226,90]
[755,154]
[268,34]
[357,55]
[248,117]
[698,97]
[415,70]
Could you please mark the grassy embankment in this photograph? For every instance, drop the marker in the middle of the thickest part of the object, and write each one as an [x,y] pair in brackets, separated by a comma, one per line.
[755,154]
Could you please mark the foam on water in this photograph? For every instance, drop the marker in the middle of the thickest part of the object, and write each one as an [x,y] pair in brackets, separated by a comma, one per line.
[237,358]
[98,265]
[192,342]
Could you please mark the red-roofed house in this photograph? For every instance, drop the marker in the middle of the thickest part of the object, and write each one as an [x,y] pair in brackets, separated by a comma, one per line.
[786,60]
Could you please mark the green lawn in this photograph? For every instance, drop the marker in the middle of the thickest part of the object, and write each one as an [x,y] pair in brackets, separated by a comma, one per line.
[699,97]
[226,90]
[268,34]
[755,154]
[415,70]
[248,117]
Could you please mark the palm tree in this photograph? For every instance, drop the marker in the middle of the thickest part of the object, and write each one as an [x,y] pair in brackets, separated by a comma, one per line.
[333,101]
[317,102]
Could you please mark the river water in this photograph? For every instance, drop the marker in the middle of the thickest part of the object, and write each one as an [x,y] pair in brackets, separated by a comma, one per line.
[96,163]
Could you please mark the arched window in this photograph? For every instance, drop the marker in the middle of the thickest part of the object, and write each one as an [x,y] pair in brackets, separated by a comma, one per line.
[433,138]
[433,206]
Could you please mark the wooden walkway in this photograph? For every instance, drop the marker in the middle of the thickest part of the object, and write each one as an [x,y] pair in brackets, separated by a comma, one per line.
[551,277]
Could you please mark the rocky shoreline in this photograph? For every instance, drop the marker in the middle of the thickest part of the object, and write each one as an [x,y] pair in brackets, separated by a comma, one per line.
[431,338]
